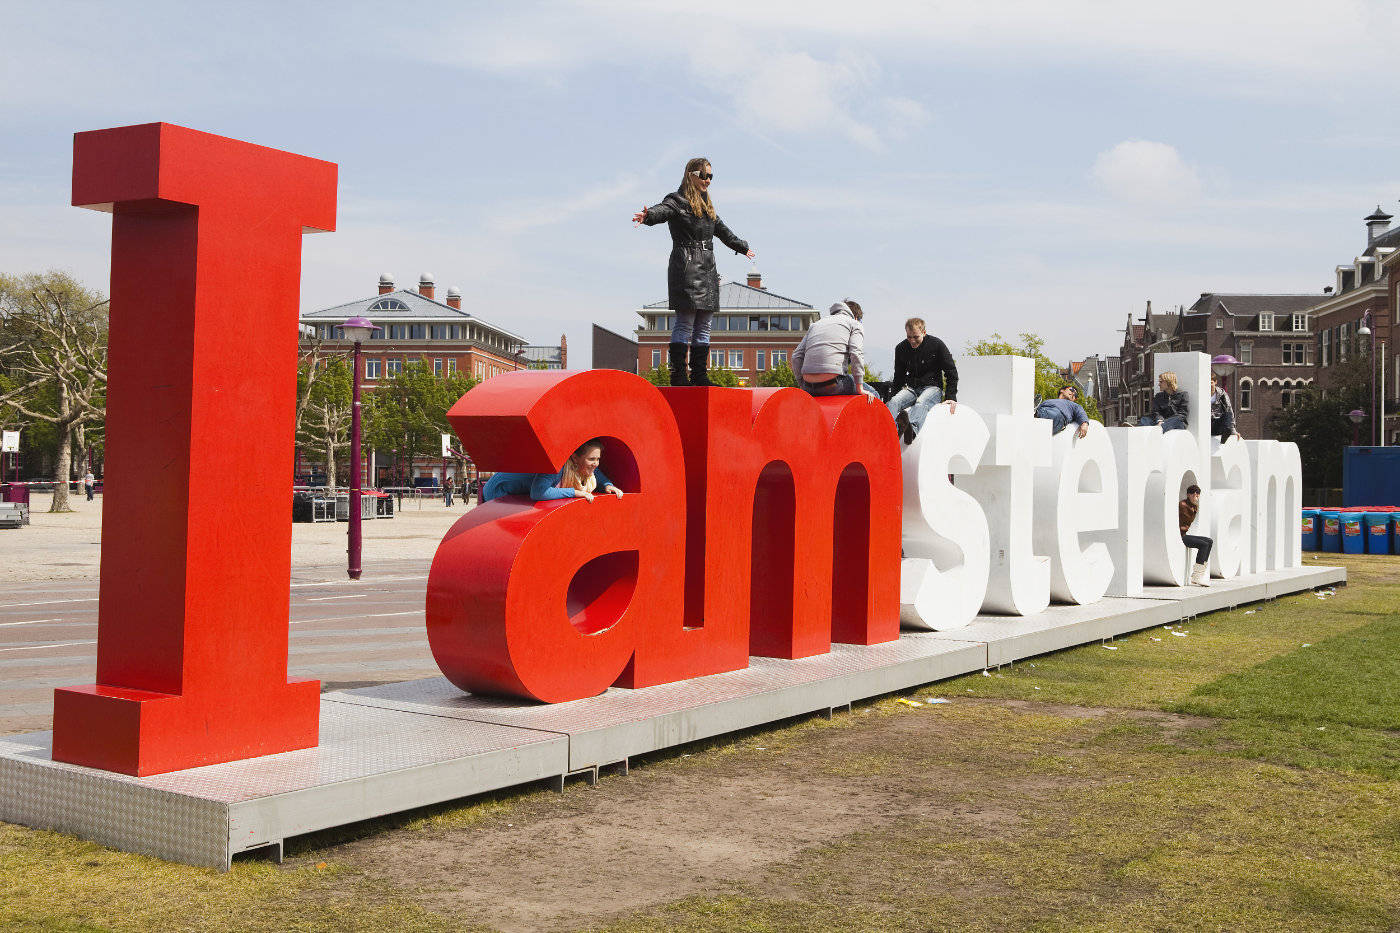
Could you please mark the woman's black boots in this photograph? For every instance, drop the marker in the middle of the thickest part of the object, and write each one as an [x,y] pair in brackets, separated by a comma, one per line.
[699,361]
[677,365]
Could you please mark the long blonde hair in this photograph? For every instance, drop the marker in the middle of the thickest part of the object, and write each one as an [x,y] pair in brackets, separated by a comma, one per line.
[698,200]
[573,477]
[1169,378]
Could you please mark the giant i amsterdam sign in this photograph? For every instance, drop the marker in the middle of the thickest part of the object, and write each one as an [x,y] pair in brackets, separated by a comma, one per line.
[756,523]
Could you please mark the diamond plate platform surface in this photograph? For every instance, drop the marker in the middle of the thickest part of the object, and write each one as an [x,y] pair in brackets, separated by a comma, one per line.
[193,816]
[763,676]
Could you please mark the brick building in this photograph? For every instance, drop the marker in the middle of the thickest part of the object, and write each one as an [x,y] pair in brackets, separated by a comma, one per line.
[1366,284]
[1099,378]
[1153,334]
[415,326]
[753,331]
[1271,336]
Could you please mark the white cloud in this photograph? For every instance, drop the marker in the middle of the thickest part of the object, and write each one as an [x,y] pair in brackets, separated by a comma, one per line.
[1140,171]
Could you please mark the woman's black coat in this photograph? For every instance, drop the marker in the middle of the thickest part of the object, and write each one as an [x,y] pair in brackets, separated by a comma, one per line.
[692,280]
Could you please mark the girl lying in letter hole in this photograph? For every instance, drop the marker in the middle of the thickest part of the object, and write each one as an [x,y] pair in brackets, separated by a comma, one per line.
[579,478]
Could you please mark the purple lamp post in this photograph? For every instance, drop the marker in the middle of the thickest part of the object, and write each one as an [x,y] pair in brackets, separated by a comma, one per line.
[1357,416]
[356,329]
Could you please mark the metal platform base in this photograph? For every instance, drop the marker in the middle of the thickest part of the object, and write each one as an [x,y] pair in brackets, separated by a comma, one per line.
[392,748]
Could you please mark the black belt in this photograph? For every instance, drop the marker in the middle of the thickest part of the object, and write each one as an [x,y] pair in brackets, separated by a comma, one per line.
[696,244]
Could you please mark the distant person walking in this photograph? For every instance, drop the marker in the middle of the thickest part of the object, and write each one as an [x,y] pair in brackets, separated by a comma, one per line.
[89,483]
[692,279]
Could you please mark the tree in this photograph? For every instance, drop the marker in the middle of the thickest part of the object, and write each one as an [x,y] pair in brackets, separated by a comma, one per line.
[53,351]
[778,377]
[1048,381]
[1317,419]
[324,408]
[409,411]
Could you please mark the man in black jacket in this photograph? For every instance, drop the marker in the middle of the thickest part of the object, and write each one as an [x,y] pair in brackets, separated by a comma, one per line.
[924,375]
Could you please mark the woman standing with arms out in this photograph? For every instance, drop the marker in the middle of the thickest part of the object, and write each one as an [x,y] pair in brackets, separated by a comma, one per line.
[692,279]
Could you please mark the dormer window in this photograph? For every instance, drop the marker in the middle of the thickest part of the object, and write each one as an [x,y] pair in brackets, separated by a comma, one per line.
[1300,322]
[1266,320]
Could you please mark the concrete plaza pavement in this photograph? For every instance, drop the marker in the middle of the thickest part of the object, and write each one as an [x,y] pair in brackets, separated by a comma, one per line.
[343,632]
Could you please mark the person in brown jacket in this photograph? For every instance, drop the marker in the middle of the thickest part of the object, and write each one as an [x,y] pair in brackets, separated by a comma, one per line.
[1186,516]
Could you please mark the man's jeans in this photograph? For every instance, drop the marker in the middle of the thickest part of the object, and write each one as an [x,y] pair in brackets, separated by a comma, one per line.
[919,404]
[1058,419]
[1174,423]
[841,385]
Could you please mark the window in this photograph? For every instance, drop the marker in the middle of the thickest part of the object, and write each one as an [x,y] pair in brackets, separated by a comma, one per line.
[779,358]
[455,332]
[386,304]
[1300,322]
[1343,337]
[1246,351]
[736,359]
[758,322]
[393,367]
[481,370]
[1220,323]
[452,367]
[1293,354]
[371,369]
[416,331]
[655,359]
[439,332]
[720,322]
[1286,398]
[716,359]
[396,331]
[1266,320]
[760,360]
[437,368]
[1322,347]
[1246,394]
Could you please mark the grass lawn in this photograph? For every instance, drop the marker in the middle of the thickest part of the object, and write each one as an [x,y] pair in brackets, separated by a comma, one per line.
[1238,772]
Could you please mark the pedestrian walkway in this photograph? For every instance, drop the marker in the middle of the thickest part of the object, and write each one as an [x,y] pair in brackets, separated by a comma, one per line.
[344,633]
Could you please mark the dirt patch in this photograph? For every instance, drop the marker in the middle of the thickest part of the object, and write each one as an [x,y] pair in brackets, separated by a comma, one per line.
[731,817]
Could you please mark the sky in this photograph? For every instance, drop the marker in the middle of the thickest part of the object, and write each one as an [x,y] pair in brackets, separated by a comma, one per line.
[1006,167]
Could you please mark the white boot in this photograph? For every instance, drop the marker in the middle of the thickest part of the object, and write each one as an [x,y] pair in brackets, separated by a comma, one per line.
[1200,575]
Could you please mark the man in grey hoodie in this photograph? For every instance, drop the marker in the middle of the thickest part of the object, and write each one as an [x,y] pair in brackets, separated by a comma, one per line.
[831,346]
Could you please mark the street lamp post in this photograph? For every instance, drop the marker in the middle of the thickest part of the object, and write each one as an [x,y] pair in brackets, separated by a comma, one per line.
[1357,416]
[356,329]
[1365,331]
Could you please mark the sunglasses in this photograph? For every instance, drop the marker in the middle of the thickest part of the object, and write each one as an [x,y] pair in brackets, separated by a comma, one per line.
[703,176]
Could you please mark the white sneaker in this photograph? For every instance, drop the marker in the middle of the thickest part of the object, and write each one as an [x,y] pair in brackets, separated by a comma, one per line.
[1200,575]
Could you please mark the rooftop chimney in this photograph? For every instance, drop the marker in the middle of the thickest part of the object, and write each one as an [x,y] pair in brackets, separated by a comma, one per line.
[426,288]
[386,283]
[454,298]
[1376,224]
[755,279]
